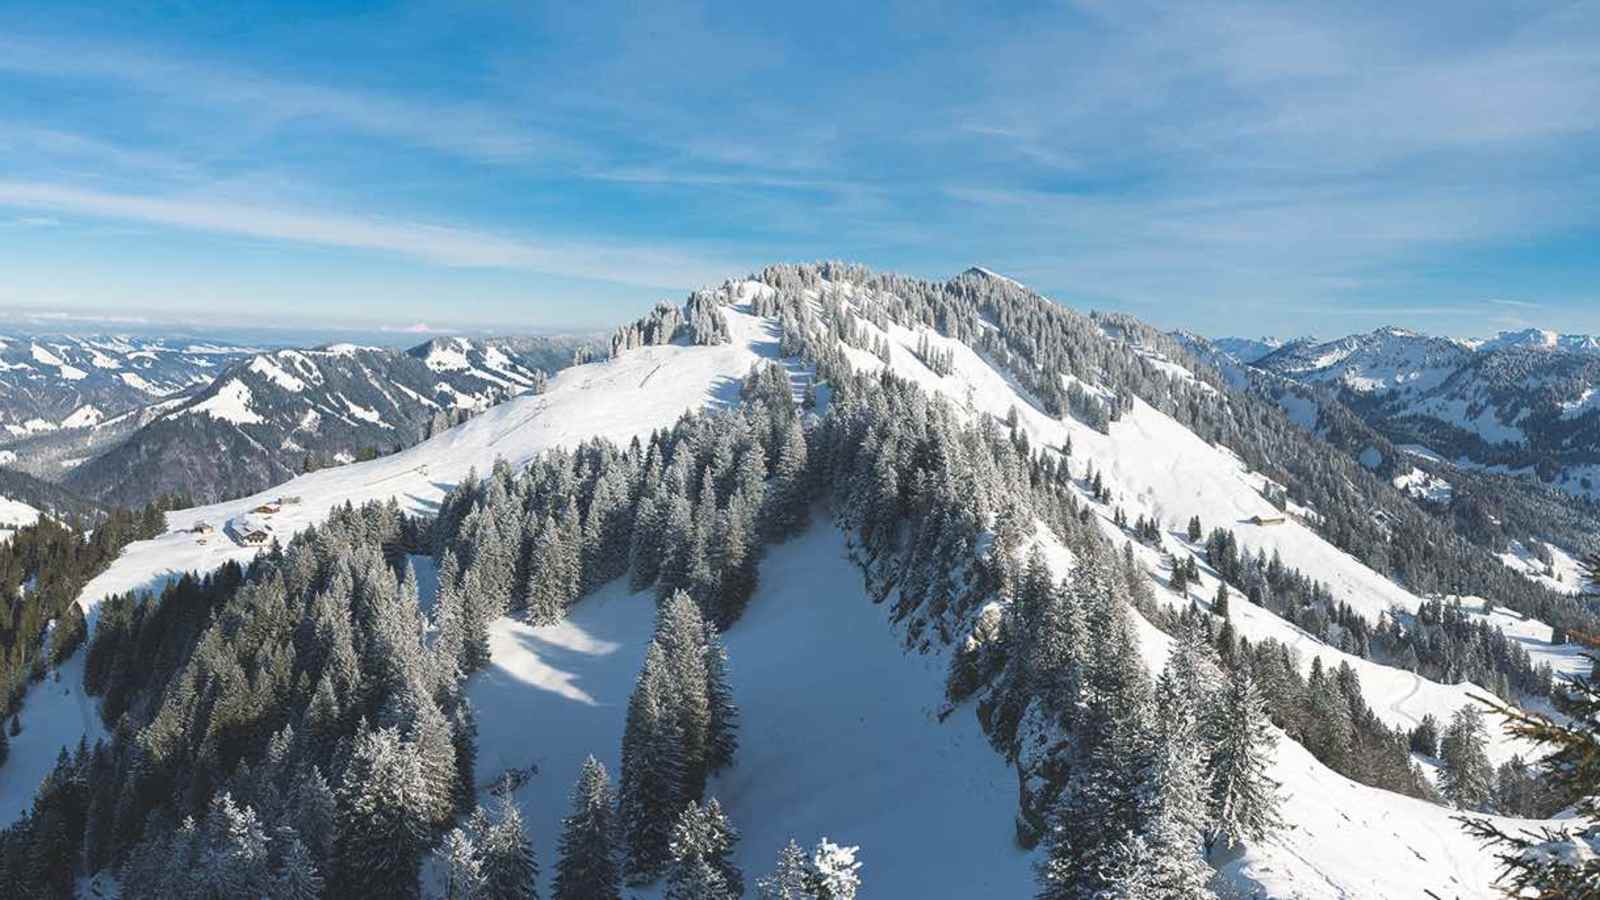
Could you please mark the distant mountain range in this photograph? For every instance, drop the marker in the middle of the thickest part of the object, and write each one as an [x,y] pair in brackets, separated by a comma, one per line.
[1522,402]
[51,382]
[122,420]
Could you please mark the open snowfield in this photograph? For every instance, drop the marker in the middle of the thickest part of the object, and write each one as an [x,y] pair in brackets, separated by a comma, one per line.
[838,737]
[15,514]
[56,715]
[1564,574]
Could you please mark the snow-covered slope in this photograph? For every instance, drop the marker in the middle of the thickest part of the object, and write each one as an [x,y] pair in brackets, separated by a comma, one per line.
[1523,402]
[852,750]
[619,399]
[284,411]
[632,395]
[15,514]
[1389,359]
[59,381]
[813,735]
[56,714]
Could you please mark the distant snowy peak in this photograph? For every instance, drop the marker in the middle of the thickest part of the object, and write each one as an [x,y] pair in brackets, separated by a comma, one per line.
[992,275]
[1523,402]
[1388,359]
[1540,339]
[489,360]
[273,414]
[68,382]
[1251,350]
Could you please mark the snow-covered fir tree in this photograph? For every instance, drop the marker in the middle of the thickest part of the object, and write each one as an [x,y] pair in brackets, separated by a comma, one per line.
[1244,799]
[383,816]
[702,855]
[835,871]
[1466,777]
[460,867]
[506,858]
[651,791]
[587,867]
[791,879]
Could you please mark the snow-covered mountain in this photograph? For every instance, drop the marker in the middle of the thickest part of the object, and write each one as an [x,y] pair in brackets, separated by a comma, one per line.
[1540,339]
[846,733]
[281,412]
[54,382]
[1388,360]
[1521,403]
[1249,350]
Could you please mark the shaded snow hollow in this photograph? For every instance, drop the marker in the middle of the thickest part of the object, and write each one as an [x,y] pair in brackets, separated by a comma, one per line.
[838,736]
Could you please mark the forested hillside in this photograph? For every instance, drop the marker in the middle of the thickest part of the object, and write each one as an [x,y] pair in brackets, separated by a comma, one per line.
[1209,651]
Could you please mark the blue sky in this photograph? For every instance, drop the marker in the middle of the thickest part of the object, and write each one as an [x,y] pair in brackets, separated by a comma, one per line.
[1229,168]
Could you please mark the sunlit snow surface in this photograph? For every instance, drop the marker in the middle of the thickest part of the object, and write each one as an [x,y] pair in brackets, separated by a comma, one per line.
[839,736]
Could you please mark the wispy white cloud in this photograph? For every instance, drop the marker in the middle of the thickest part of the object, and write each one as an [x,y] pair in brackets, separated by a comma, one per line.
[466,129]
[1289,160]
[637,264]
[32,222]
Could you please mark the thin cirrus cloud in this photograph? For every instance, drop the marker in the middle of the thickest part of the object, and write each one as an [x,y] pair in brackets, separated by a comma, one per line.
[460,128]
[1305,162]
[642,266]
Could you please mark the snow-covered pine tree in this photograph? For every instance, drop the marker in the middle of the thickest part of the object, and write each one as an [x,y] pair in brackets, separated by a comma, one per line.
[736,559]
[652,772]
[702,855]
[459,865]
[509,869]
[428,733]
[383,819]
[1175,813]
[722,726]
[586,868]
[297,877]
[645,542]
[790,495]
[235,861]
[1466,777]
[1244,800]
[835,871]
[791,879]
[1565,861]
[681,634]
[314,810]
[547,599]
[606,529]
[1102,804]
[681,546]
[1331,730]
